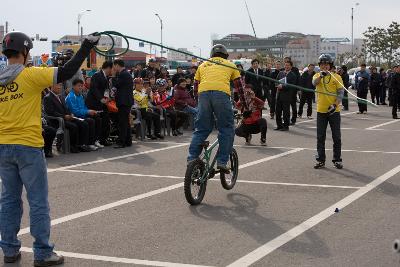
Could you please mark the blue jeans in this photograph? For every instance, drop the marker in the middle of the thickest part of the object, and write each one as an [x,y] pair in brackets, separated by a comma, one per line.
[218,104]
[24,166]
[191,110]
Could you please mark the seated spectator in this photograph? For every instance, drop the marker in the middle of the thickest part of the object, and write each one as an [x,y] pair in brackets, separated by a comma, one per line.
[183,100]
[142,98]
[164,74]
[253,122]
[76,104]
[165,100]
[178,75]
[54,106]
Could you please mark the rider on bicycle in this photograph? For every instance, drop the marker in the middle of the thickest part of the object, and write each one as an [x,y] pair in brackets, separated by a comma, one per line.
[212,83]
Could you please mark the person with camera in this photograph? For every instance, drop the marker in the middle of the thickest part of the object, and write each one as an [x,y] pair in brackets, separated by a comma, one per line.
[22,161]
[253,122]
[330,91]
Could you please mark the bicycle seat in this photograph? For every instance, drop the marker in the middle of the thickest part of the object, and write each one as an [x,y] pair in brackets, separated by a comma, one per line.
[205,144]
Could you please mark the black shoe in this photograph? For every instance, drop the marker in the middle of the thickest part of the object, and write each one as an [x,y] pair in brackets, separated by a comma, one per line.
[74,149]
[106,143]
[179,132]
[117,146]
[174,133]
[84,148]
[278,128]
[395,117]
[48,154]
[263,142]
[284,129]
[293,123]
[384,104]
[54,259]
[128,144]
[319,165]
[338,165]
[248,139]
[12,259]
[152,137]
[159,136]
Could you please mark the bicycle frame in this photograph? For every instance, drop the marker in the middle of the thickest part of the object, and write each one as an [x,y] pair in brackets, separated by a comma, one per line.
[206,159]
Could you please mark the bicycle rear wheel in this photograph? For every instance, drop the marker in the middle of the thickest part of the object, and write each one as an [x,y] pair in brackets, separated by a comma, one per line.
[228,181]
[194,190]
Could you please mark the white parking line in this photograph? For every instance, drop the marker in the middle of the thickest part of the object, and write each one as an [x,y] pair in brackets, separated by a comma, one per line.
[118,260]
[312,120]
[238,181]
[284,238]
[380,125]
[114,158]
[146,195]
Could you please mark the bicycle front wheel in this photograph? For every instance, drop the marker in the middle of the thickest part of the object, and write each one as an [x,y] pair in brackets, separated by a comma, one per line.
[228,181]
[194,189]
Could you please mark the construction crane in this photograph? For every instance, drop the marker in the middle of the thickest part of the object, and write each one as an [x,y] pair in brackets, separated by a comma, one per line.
[251,20]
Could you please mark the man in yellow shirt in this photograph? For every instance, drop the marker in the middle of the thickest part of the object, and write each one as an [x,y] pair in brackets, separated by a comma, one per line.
[330,91]
[212,84]
[22,161]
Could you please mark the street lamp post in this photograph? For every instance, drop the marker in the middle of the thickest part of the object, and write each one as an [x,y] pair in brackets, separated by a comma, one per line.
[79,21]
[352,29]
[161,23]
[195,46]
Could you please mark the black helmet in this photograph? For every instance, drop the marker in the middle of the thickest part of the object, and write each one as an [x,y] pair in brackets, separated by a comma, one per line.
[17,41]
[219,50]
[325,58]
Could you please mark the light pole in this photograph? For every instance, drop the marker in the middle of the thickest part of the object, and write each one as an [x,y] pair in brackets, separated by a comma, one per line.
[195,46]
[161,23]
[80,14]
[352,28]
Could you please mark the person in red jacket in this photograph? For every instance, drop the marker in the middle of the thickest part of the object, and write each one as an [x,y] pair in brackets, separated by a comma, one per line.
[164,99]
[253,122]
[183,100]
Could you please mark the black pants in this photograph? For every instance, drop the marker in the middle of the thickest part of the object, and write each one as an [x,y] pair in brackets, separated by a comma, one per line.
[259,127]
[293,105]
[382,94]
[362,107]
[345,100]
[267,96]
[151,118]
[395,104]
[334,122]
[306,97]
[98,126]
[282,107]
[49,133]
[105,126]
[374,91]
[124,128]
[273,101]
[84,132]
[177,117]
[73,131]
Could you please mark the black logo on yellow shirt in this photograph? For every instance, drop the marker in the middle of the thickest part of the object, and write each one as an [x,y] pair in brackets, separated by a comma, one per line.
[10,88]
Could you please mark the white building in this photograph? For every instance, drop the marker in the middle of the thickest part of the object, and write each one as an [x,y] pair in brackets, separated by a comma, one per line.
[340,46]
[104,41]
[176,56]
[304,51]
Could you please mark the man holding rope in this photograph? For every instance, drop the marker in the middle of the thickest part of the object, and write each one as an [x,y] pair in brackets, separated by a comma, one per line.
[330,91]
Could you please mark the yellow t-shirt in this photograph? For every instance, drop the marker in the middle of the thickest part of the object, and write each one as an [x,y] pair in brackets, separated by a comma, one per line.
[21,107]
[216,77]
[330,85]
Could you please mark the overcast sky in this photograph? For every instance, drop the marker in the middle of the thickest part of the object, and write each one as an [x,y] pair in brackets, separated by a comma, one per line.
[188,23]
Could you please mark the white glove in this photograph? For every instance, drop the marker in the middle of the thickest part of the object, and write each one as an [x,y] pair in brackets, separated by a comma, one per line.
[94,39]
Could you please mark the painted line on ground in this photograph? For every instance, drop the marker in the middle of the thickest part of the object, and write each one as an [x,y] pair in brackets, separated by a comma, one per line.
[146,195]
[314,149]
[361,129]
[238,181]
[286,237]
[380,125]
[118,260]
[313,120]
[114,158]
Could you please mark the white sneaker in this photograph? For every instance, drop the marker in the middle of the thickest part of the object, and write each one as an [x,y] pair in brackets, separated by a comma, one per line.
[93,148]
[97,144]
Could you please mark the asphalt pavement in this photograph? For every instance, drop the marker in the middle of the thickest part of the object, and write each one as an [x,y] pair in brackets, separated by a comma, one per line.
[127,207]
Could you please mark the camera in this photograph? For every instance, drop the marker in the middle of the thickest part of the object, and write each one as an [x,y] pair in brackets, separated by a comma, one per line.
[60,59]
[332,109]
[323,73]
